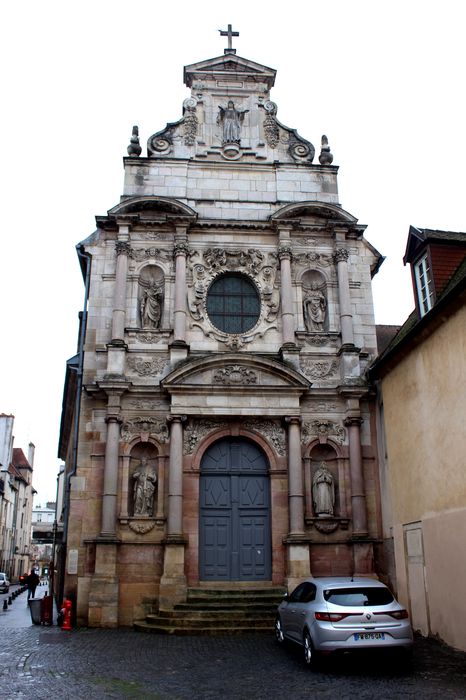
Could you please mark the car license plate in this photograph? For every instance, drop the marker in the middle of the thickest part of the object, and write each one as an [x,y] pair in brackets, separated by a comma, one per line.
[363,636]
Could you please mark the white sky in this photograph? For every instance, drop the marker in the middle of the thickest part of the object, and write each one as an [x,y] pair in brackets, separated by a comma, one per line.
[384,81]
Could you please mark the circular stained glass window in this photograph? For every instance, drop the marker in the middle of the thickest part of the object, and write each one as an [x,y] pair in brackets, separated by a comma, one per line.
[233,303]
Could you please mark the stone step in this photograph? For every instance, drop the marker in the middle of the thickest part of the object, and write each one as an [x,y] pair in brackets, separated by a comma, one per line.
[144,626]
[208,622]
[227,605]
[235,592]
[221,612]
[218,611]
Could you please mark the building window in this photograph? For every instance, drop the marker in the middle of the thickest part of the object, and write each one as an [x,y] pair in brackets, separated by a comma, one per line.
[233,303]
[424,286]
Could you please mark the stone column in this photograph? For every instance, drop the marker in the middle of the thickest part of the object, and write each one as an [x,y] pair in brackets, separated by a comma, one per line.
[358,496]
[346,318]
[295,477]
[181,251]
[284,254]
[173,587]
[298,560]
[110,491]
[119,299]
[104,585]
[175,478]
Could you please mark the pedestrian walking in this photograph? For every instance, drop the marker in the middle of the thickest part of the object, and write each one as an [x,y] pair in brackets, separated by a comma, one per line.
[32,583]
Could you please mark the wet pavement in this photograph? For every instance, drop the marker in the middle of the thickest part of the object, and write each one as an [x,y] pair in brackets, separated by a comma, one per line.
[39,662]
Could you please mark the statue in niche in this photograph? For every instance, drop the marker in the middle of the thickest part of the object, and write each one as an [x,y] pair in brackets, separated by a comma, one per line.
[150,304]
[145,479]
[231,119]
[314,307]
[323,491]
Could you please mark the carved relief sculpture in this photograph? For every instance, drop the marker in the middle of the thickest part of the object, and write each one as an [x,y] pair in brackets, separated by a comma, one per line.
[231,118]
[314,308]
[323,491]
[145,479]
[234,375]
[323,429]
[261,267]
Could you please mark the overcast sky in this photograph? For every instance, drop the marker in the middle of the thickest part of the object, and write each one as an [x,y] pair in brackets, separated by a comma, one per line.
[384,81]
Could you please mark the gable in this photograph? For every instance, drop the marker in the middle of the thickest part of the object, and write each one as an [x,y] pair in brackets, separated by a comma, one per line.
[235,384]
[228,65]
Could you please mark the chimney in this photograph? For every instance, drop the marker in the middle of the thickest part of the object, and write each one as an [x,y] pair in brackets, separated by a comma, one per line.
[31,450]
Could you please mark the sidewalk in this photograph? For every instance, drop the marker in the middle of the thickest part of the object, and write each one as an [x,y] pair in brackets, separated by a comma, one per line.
[18,615]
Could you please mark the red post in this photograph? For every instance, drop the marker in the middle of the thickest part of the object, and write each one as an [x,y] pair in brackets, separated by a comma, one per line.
[66,614]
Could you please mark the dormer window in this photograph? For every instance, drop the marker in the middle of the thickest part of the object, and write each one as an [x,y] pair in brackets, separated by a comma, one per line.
[424,285]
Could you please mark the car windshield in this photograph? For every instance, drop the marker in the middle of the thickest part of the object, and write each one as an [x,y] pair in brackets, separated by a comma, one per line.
[358,596]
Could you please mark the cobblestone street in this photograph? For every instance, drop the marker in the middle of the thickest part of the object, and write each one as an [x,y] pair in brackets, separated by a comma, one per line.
[46,662]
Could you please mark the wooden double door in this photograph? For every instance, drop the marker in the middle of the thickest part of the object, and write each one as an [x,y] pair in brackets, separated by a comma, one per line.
[234,523]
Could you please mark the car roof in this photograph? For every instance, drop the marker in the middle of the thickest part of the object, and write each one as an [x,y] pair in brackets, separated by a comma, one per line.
[346,581]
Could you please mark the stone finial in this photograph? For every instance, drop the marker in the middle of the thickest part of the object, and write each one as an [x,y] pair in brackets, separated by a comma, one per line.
[326,157]
[134,148]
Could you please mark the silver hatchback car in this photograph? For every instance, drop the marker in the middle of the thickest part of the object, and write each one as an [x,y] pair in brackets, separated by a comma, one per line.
[342,614]
[4,583]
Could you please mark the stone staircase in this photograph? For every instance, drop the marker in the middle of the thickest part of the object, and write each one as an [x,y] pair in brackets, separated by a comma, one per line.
[216,612]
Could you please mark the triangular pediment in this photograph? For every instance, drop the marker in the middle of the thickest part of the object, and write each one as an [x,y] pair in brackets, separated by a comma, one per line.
[228,65]
[235,371]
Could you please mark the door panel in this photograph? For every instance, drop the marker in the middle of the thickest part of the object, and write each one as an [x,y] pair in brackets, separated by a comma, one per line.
[234,541]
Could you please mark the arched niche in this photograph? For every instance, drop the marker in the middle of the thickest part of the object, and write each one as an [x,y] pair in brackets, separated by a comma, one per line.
[143,480]
[315,301]
[151,293]
[324,456]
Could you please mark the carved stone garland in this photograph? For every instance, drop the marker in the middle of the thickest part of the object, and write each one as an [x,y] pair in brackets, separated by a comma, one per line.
[145,425]
[191,121]
[271,130]
[197,429]
[324,369]
[206,265]
[147,366]
[323,429]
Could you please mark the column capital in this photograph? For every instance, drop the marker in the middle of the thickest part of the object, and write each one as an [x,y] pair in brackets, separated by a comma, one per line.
[177,419]
[284,251]
[293,420]
[122,248]
[180,248]
[352,420]
[340,255]
[113,418]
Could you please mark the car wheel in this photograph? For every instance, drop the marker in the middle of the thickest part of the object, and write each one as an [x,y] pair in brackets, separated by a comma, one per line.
[310,657]
[279,636]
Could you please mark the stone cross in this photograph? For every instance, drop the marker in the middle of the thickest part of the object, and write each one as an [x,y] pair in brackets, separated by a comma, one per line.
[229,33]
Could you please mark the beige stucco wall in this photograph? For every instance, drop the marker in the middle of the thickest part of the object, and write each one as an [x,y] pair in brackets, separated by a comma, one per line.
[424,406]
[445,566]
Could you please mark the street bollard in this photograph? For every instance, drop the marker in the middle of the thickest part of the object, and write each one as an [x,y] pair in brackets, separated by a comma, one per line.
[5,604]
[9,600]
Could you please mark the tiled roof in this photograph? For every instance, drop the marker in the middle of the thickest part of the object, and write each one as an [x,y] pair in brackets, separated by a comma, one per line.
[415,329]
[429,234]
[385,335]
[19,459]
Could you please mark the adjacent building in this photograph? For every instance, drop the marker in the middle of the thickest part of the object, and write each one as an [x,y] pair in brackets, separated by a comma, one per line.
[218,428]
[421,379]
[16,499]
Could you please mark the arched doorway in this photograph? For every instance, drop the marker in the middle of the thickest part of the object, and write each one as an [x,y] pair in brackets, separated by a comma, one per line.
[234,518]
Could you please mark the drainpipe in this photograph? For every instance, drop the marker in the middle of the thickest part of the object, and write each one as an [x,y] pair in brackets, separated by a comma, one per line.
[85,260]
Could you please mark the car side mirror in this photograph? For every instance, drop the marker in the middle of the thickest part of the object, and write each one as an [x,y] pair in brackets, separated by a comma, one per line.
[286,596]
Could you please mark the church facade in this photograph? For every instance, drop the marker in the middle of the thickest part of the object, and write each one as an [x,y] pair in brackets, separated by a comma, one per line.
[218,427]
